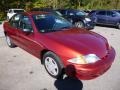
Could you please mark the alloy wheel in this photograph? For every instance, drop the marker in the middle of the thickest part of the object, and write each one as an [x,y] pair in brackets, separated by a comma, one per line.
[51,66]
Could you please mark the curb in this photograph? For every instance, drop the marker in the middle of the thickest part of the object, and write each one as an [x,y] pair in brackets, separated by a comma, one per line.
[1,29]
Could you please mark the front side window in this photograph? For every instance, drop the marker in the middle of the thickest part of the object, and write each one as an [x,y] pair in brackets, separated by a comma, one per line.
[92,12]
[50,22]
[25,24]
[63,12]
[70,13]
[80,13]
[14,21]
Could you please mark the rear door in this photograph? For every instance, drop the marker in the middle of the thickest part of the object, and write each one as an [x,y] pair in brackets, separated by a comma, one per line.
[111,18]
[101,17]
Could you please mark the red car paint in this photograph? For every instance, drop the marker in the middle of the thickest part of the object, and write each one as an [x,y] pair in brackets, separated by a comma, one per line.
[66,44]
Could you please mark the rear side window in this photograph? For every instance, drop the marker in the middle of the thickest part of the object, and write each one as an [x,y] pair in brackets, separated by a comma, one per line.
[101,13]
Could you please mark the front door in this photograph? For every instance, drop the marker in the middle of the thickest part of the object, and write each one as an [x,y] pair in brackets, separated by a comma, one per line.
[12,28]
[101,17]
[26,35]
[111,18]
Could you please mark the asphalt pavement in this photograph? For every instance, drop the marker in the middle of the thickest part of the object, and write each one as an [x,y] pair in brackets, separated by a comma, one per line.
[20,70]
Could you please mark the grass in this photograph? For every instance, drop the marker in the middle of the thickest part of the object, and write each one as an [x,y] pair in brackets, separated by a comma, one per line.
[0,22]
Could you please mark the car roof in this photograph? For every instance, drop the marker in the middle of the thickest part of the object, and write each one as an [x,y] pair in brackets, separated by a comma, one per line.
[94,11]
[35,12]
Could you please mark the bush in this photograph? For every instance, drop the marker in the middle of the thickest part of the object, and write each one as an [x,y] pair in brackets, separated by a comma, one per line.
[2,16]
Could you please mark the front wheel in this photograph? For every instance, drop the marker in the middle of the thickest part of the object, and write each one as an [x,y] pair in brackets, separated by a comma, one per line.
[9,42]
[53,65]
[79,24]
[119,26]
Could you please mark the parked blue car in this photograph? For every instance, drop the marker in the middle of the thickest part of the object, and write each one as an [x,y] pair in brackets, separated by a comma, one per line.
[106,17]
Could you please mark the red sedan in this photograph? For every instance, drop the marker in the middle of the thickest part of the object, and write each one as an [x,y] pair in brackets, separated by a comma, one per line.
[61,47]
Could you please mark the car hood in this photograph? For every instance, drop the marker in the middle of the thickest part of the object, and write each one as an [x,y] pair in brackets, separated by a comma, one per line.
[82,41]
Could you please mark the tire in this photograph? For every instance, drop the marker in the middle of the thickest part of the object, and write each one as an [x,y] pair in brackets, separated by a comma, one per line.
[79,24]
[119,26]
[53,65]
[9,42]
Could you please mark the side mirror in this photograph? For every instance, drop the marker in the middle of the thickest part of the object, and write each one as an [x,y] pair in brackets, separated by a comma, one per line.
[27,31]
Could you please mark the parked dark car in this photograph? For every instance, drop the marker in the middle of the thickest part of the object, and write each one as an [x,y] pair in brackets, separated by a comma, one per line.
[106,17]
[118,11]
[60,46]
[87,11]
[78,18]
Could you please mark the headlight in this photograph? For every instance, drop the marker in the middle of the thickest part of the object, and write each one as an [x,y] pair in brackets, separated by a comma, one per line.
[90,58]
[88,19]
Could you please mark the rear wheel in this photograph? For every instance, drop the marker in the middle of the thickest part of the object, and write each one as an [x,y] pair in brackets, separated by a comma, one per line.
[79,24]
[9,42]
[53,65]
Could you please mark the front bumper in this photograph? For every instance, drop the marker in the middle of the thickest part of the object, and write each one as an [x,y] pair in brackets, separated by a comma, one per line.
[91,71]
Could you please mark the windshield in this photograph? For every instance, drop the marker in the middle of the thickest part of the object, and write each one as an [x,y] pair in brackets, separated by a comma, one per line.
[80,13]
[50,22]
[57,13]
[18,11]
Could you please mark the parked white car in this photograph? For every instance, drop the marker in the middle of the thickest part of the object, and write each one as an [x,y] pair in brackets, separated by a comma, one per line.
[12,12]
